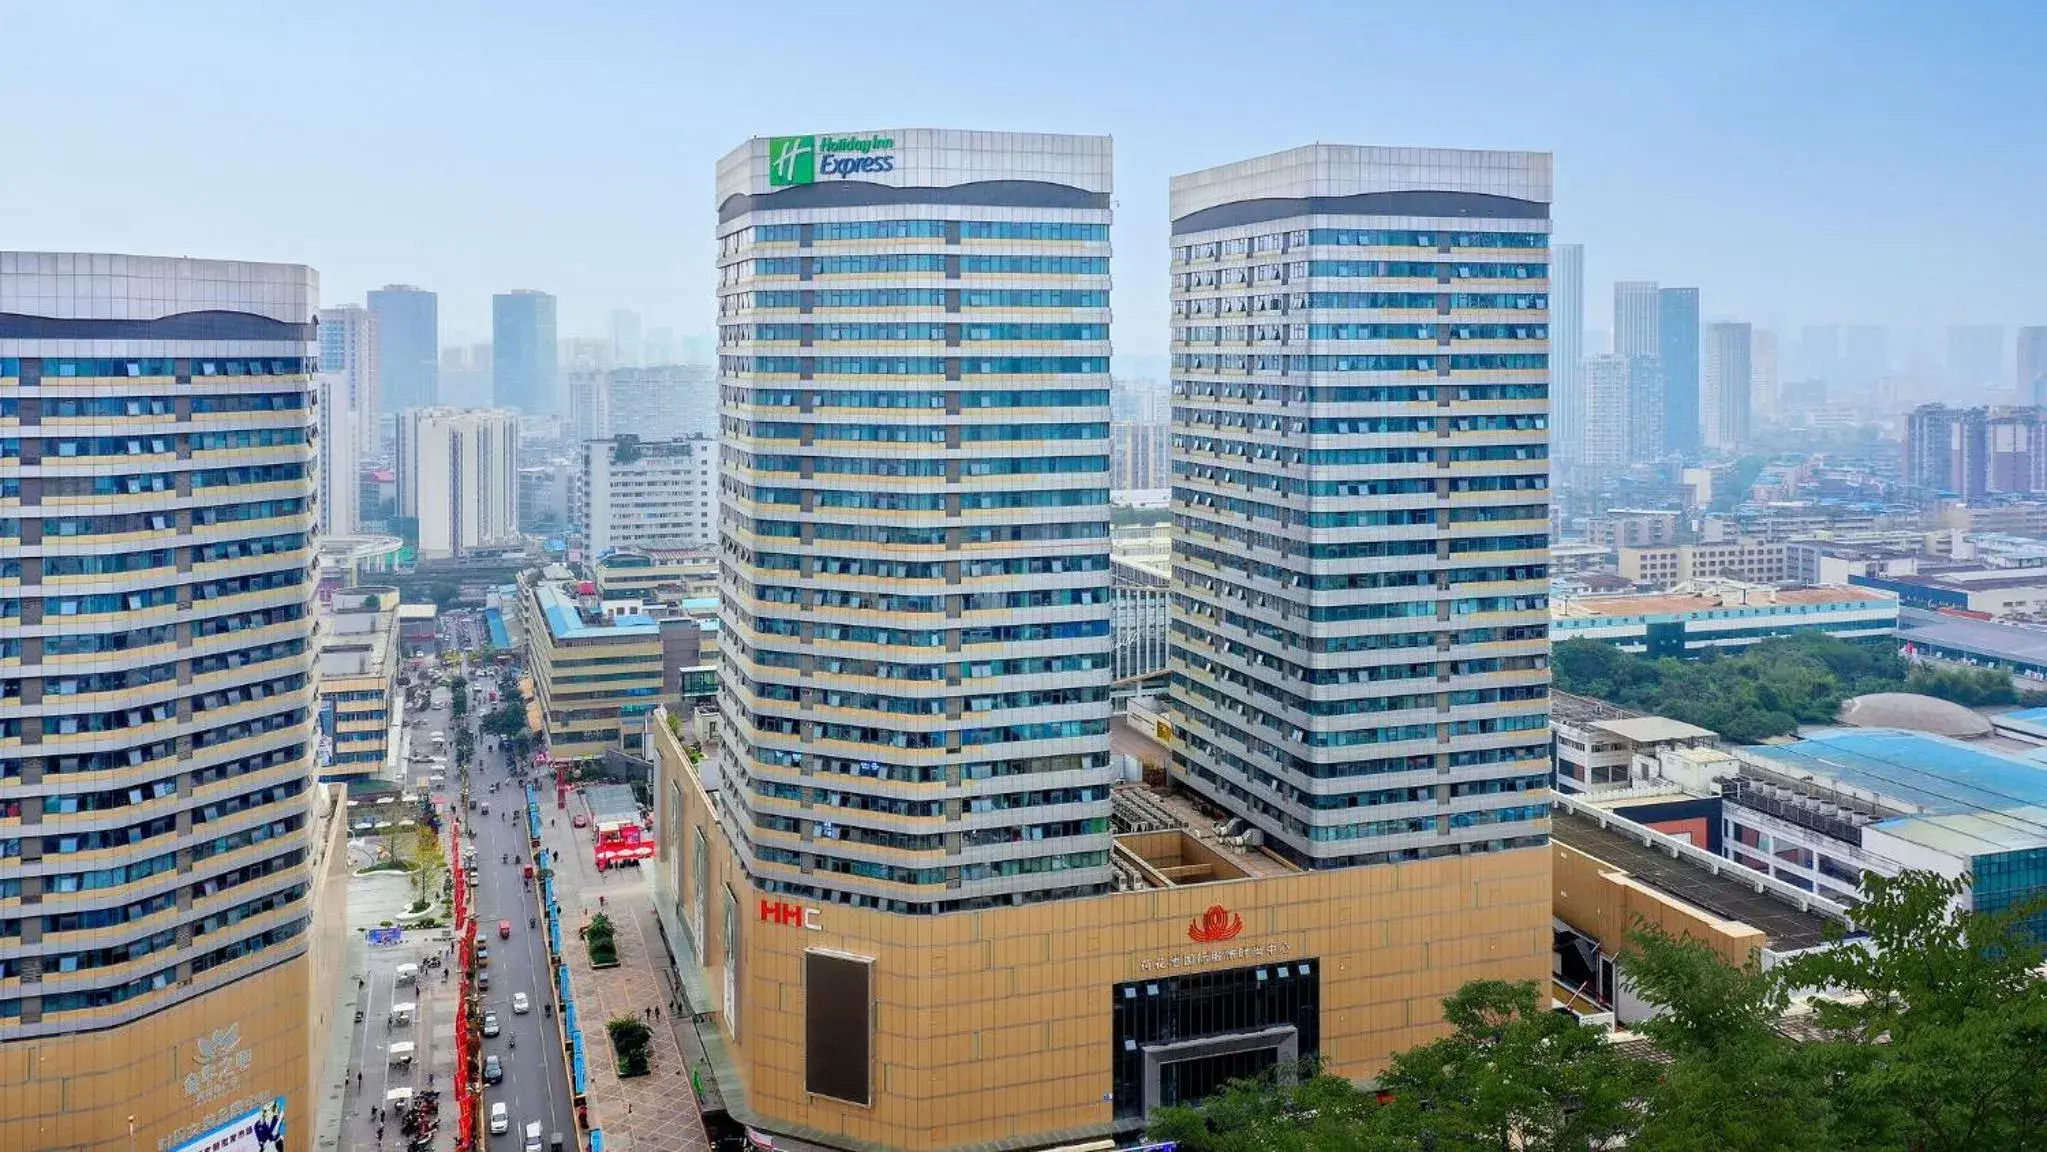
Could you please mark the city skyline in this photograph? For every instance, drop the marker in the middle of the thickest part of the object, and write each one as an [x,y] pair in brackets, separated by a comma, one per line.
[1633,143]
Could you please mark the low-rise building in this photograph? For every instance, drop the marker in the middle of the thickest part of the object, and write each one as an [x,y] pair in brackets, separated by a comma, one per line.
[1748,559]
[1992,592]
[1601,746]
[1140,588]
[596,675]
[657,575]
[360,707]
[1691,619]
[1635,527]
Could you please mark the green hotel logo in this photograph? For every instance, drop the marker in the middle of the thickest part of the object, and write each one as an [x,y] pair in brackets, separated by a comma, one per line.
[802,159]
[792,160]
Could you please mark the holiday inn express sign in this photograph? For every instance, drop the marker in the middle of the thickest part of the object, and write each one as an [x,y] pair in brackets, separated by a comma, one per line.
[808,159]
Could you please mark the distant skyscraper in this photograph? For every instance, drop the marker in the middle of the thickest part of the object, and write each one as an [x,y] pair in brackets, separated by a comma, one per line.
[1636,318]
[1648,415]
[2032,366]
[1763,363]
[408,346]
[465,376]
[1819,353]
[661,347]
[1975,359]
[1567,349]
[339,462]
[664,402]
[458,476]
[1947,450]
[1865,359]
[523,352]
[1603,441]
[626,346]
[1730,380]
[1677,354]
[348,351]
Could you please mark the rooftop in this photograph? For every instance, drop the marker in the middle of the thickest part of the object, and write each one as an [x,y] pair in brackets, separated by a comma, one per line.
[566,619]
[1996,801]
[1723,595]
[1787,926]
[1999,641]
[1914,712]
[1582,711]
[1654,729]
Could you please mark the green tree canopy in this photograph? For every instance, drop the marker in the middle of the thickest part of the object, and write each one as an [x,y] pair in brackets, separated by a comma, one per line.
[1931,1037]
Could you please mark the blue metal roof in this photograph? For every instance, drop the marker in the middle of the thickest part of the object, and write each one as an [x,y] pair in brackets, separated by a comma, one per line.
[565,622]
[1933,773]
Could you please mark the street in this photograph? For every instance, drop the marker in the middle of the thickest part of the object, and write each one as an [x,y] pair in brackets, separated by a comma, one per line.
[536,1079]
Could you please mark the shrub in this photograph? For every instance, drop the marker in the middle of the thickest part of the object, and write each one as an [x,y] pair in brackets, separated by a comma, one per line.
[630,1039]
[602,941]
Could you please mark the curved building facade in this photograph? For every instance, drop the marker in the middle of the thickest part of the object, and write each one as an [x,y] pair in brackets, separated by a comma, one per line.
[157,505]
[914,392]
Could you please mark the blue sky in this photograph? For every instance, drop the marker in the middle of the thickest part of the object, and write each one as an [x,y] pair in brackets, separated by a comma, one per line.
[1868,162]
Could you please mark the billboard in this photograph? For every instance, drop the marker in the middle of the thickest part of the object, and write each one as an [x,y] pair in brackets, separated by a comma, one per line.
[259,1130]
[623,840]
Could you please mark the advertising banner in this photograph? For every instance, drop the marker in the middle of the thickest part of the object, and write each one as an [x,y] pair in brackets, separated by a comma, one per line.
[260,1130]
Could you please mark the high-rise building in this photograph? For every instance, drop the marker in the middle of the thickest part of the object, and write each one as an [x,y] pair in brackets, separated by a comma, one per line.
[1567,389]
[340,464]
[465,377]
[1947,450]
[1865,359]
[1637,318]
[627,350]
[1975,359]
[1332,593]
[933,520]
[1819,354]
[523,366]
[1763,365]
[348,350]
[160,898]
[661,346]
[1730,381]
[1677,354]
[2032,366]
[656,403]
[637,493]
[1647,418]
[1138,454]
[458,477]
[1603,431]
[918,622]
[408,347]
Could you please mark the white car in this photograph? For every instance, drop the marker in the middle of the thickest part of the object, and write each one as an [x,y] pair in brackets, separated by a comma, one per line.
[490,1024]
[500,1119]
[520,1004]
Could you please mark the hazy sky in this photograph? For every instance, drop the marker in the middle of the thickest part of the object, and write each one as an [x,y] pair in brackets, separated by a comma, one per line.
[1862,162]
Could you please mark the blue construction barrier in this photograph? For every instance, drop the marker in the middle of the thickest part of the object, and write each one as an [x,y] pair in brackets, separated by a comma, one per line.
[596,1140]
[576,1063]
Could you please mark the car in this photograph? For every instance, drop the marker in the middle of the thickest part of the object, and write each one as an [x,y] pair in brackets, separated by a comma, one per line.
[520,1004]
[483,981]
[500,1119]
[490,1024]
[493,1070]
[579,821]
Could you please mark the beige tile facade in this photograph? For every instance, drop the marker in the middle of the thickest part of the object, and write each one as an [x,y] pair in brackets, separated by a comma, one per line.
[993,1027]
[178,1072]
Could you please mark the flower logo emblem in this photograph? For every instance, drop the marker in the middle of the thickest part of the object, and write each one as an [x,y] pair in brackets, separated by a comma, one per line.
[1215,925]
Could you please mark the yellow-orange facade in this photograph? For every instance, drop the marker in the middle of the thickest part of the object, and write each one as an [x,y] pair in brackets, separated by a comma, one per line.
[995,1027]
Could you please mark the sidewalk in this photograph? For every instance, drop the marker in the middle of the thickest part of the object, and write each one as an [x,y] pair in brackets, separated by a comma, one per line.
[657,1112]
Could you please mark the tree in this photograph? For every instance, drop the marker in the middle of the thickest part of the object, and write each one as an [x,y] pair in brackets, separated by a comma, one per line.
[458,696]
[1512,1076]
[1293,1108]
[1734,1083]
[1936,1028]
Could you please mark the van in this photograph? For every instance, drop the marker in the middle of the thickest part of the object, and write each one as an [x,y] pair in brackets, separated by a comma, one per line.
[532,1138]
